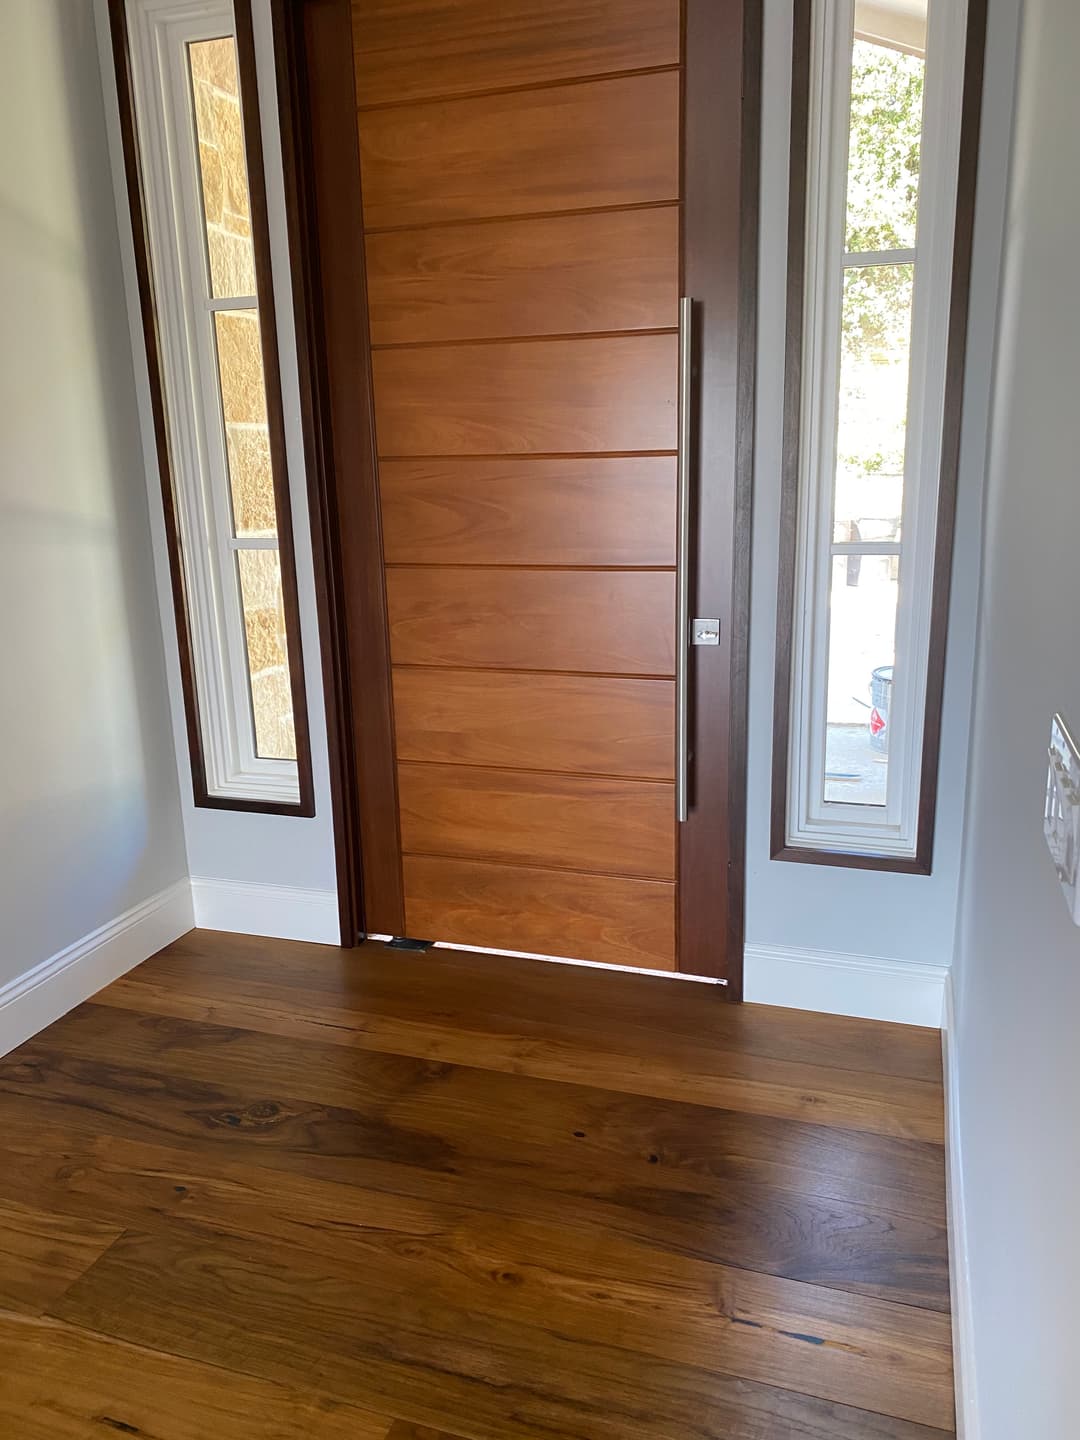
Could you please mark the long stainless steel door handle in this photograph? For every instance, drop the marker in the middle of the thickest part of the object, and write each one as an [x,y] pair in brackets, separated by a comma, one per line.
[682,566]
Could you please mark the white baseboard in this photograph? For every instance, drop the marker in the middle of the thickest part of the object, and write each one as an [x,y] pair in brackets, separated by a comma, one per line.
[282,912]
[868,986]
[55,986]
[967,1419]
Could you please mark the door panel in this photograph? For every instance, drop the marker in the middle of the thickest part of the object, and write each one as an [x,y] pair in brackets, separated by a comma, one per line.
[567,147]
[613,392]
[502,229]
[517,907]
[580,724]
[519,515]
[576,822]
[617,622]
[570,274]
[410,49]
[522,511]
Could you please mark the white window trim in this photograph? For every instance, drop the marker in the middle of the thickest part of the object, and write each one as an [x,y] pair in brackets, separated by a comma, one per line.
[159,32]
[812,822]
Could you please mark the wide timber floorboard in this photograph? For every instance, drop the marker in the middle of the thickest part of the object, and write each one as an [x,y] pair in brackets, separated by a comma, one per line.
[270,1190]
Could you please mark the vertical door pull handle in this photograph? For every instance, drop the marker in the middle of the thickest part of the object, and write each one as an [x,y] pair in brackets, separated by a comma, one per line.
[682,566]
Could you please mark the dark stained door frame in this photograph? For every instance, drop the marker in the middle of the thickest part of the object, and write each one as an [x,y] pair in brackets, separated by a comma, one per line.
[320,147]
[721,143]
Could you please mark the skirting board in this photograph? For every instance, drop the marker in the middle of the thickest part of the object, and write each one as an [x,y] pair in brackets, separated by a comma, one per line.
[868,986]
[282,912]
[967,1421]
[55,986]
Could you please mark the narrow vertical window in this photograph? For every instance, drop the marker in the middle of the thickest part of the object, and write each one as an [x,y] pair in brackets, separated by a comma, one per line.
[193,122]
[880,139]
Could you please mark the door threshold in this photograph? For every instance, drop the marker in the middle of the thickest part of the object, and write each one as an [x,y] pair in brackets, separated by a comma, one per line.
[564,960]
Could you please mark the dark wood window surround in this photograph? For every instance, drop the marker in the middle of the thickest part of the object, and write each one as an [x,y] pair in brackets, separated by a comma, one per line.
[249,100]
[921,862]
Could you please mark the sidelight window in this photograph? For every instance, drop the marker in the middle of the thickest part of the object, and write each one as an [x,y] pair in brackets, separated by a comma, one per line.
[193,138]
[863,596]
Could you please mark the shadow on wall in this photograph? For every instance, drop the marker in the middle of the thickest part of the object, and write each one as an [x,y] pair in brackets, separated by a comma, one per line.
[90,804]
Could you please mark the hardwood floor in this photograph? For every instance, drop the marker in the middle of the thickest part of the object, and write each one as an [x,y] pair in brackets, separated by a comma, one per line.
[270,1190]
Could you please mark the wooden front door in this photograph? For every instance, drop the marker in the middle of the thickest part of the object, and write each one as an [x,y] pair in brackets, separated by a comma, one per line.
[508,198]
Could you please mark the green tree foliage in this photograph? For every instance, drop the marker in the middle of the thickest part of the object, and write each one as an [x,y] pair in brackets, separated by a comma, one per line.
[883,191]
[882,205]
[883,157]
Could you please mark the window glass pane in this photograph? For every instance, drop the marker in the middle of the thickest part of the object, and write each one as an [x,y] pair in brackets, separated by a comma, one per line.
[222,167]
[862,630]
[886,125]
[267,653]
[247,437]
[875,344]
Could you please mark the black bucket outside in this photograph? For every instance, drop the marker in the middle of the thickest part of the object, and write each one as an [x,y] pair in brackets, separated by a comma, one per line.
[880,701]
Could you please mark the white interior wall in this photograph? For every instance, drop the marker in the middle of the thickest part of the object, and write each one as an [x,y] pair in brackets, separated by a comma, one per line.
[1014,1059]
[805,923]
[89,801]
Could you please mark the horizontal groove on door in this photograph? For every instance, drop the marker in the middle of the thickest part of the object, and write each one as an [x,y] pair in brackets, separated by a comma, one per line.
[519,398]
[516,565]
[620,827]
[542,455]
[524,670]
[573,724]
[606,271]
[606,142]
[432,48]
[603,622]
[465,221]
[506,339]
[603,918]
[494,91]
[524,511]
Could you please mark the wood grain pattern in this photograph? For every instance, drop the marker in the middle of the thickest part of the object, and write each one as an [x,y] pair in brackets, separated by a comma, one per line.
[151,1175]
[340,442]
[485,212]
[296,118]
[602,393]
[515,907]
[755,1325]
[557,275]
[771,1196]
[323,1238]
[582,724]
[720,218]
[616,511]
[660,1041]
[569,147]
[545,335]
[41,1254]
[403,1430]
[577,822]
[605,622]
[411,49]
[66,1384]
[449,1107]
[234,1303]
